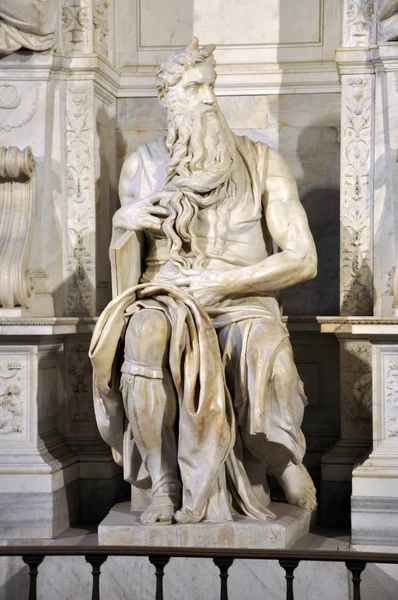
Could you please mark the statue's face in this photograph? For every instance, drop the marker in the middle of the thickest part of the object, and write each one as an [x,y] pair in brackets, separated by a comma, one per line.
[196,87]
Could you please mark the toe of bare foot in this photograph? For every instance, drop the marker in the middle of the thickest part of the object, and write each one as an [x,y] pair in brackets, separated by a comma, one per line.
[157,514]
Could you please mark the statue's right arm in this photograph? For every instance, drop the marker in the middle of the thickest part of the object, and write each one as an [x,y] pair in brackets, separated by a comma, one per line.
[126,247]
[138,211]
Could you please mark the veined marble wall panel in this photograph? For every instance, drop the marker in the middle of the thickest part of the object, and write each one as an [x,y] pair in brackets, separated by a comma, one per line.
[255,40]
[257,22]
[158,27]
[305,129]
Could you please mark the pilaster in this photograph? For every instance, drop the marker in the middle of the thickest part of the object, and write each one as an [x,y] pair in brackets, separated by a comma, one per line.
[357,76]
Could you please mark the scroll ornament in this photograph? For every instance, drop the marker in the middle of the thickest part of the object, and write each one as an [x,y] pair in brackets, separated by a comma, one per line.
[17,170]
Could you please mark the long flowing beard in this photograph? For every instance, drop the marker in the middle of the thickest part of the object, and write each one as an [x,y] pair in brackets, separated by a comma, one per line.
[201,150]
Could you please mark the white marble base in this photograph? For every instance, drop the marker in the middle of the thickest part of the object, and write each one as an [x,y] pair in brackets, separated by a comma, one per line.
[123,528]
[43,516]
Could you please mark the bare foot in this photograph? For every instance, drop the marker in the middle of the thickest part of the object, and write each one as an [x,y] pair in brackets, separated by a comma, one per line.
[182,516]
[298,486]
[158,513]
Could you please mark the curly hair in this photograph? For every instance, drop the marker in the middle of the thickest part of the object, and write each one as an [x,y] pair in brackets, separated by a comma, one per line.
[172,70]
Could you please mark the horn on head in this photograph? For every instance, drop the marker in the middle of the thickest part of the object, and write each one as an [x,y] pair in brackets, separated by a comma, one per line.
[193,44]
[209,49]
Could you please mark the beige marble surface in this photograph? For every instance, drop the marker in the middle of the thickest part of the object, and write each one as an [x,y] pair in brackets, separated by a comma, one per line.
[122,527]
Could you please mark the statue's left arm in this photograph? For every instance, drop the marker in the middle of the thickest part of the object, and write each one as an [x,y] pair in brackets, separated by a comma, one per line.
[288,225]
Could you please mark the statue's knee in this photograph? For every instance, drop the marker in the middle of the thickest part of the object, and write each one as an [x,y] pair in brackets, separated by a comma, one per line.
[147,336]
[284,368]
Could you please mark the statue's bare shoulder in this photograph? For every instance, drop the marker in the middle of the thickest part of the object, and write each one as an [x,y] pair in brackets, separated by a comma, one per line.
[146,157]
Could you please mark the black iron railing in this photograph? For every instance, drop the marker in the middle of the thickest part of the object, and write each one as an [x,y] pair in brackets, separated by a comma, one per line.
[223,558]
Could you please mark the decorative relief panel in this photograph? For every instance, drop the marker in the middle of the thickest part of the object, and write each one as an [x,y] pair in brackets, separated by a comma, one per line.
[356,389]
[101,26]
[79,418]
[77,21]
[80,233]
[391,396]
[359,23]
[11,403]
[356,196]
[12,98]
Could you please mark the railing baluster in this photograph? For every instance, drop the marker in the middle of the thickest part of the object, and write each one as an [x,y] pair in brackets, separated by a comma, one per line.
[96,561]
[356,567]
[159,562]
[33,563]
[223,564]
[289,565]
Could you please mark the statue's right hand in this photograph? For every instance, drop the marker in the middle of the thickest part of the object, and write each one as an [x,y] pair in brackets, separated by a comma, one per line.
[142,214]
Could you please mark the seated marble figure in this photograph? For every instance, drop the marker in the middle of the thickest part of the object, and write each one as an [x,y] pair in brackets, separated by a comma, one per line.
[207,401]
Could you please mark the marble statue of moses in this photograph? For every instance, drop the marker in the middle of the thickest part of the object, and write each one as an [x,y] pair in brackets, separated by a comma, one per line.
[195,386]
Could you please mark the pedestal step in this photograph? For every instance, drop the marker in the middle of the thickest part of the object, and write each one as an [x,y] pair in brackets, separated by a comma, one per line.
[122,527]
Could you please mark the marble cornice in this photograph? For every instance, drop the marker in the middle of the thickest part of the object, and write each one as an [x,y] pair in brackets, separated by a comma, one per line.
[367,327]
[354,61]
[241,79]
[37,326]
[46,66]
[385,56]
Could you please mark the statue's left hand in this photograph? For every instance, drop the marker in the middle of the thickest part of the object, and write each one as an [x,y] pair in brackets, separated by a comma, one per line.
[207,287]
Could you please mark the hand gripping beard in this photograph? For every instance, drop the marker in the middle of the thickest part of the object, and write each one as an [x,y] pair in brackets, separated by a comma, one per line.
[202,151]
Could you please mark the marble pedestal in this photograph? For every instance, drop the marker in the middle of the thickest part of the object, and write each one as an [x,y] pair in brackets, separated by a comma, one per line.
[123,528]
[39,487]
[374,503]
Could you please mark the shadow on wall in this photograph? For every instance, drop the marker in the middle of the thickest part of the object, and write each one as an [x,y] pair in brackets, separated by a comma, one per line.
[321,200]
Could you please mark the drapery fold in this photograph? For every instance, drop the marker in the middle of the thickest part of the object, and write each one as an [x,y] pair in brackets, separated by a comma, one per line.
[207,428]
[27,24]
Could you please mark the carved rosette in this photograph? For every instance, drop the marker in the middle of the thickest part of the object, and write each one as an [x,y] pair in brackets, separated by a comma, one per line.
[359,25]
[356,282]
[17,169]
[80,207]
[356,389]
